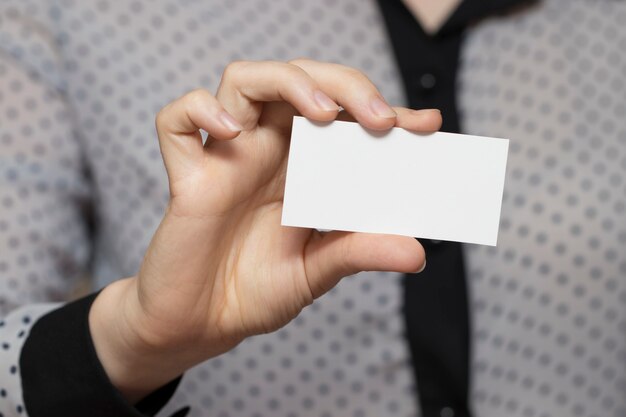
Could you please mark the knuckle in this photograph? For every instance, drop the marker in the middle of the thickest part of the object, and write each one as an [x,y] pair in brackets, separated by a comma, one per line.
[196,99]
[355,75]
[300,61]
[233,70]
[160,118]
[294,70]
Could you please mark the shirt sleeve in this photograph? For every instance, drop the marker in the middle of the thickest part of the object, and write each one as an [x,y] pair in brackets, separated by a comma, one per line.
[62,376]
[14,330]
[49,367]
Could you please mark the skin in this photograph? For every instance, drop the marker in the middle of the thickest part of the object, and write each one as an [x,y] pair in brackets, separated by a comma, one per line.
[220,267]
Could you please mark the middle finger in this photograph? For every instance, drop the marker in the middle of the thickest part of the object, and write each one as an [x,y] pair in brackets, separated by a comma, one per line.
[353,91]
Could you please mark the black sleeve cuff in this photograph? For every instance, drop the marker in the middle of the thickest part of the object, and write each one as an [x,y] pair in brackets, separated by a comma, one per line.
[62,376]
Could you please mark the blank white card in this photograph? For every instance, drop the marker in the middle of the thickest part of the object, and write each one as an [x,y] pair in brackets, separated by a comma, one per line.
[441,186]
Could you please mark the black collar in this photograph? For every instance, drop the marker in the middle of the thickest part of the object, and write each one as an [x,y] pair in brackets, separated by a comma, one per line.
[472,10]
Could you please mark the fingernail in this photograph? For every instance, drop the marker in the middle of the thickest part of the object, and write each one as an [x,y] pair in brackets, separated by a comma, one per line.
[424,111]
[230,122]
[382,109]
[422,268]
[325,102]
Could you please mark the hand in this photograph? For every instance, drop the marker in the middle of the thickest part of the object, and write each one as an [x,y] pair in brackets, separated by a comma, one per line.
[220,266]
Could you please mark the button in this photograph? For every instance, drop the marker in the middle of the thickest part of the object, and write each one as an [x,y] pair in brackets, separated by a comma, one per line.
[425,82]
[447,412]
[428,81]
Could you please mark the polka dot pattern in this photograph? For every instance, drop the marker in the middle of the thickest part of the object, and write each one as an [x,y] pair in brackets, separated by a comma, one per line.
[43,193]
[120,62]
[13,332]
[549,306]
[81,83]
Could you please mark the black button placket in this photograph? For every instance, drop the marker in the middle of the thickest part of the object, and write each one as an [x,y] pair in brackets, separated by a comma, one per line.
[435,301]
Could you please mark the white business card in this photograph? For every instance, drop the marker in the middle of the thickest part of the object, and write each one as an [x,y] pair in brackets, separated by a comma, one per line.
[442,186]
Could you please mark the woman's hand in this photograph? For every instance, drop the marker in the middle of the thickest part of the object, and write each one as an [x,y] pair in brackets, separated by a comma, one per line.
[220,266]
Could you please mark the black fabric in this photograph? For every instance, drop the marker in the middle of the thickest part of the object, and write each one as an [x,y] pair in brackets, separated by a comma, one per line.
[470,10]
[436,316]
[436,302]
[421,59]
[62,376]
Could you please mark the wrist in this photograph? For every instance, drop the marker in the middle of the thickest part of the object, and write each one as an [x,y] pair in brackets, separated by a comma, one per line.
[134,366]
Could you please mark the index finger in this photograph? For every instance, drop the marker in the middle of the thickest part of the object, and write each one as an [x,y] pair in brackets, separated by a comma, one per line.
[246,85]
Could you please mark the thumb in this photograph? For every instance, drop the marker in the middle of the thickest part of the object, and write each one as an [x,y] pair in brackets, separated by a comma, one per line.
[334,255]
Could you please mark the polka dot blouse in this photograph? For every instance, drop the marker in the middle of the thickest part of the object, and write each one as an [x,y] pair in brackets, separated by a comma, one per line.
[82,189]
